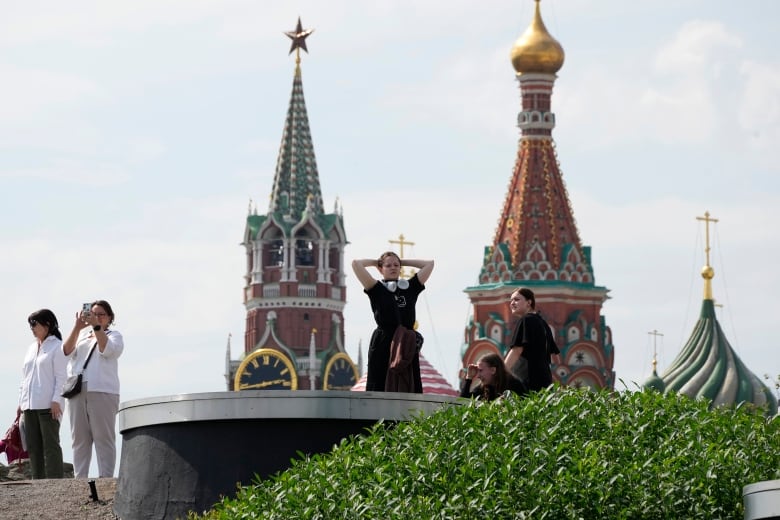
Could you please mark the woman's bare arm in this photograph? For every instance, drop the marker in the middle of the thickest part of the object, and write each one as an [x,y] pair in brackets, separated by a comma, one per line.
[425,268]
[360,267]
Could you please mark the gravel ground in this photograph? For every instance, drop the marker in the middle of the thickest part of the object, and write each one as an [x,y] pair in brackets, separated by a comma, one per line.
[57,499]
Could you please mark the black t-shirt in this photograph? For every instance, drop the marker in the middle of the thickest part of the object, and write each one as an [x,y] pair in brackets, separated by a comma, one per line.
[530,334]
[385,302]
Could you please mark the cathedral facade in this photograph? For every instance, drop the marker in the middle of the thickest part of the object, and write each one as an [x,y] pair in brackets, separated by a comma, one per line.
[537,244]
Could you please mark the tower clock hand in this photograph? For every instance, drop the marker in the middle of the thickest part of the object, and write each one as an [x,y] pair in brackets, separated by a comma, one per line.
[264,384]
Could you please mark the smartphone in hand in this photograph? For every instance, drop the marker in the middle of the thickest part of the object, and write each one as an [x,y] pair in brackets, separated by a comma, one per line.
[85,310]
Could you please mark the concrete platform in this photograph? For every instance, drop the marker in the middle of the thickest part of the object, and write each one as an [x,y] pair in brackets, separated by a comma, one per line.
[182,453]
[762,500]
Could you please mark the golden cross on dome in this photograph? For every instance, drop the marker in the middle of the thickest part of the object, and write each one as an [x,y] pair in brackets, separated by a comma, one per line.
[655,335]
[401,243]
[298,37]
[707,271]
[706,218]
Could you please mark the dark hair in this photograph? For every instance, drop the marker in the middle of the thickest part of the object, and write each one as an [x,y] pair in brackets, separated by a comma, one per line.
[106,307]
[385,255]
[528,294]
[46,318]
[499,381]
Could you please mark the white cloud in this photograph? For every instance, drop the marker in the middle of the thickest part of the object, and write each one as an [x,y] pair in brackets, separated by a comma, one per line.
[697,48]
[759,110]
[143,149]
[93,22]
[29,93]
[71,171]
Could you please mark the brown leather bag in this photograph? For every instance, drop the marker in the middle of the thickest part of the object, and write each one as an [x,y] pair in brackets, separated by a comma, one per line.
[400,373]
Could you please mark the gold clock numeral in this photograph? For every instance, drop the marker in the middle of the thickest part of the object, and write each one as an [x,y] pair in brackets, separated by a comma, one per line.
[266,368]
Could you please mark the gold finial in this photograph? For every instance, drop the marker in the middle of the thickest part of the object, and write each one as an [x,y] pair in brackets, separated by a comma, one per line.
[401,243]
[707,272]
[655,335]
[536,50]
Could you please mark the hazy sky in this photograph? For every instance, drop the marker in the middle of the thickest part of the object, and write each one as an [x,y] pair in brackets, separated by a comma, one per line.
[134,134]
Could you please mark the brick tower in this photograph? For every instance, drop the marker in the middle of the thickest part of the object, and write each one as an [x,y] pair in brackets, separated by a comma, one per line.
[536,244]
[295,286]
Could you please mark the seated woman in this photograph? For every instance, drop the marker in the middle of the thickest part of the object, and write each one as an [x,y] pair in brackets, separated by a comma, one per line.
[494,378]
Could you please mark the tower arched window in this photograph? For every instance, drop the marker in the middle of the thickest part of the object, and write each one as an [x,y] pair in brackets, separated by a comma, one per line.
[304,252]
[276,253]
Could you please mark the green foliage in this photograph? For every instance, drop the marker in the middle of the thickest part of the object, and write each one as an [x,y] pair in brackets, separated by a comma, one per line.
[556,455]
[775,383]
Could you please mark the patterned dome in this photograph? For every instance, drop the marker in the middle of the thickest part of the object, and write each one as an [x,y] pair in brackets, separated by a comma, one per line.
[433,382]
[654,382]
[708,367]
[536,50]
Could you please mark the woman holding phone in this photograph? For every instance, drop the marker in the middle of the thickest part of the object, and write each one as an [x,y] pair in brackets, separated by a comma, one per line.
[93,411]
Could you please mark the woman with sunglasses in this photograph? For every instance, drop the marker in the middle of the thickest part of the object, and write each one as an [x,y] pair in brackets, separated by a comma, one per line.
[93,411]
[43,374]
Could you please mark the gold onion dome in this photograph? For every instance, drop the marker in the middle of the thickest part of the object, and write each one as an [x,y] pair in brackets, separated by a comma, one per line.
[536,50]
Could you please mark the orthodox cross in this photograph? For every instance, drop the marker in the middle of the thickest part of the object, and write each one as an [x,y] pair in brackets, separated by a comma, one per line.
[706,218]
[655,335]
[401,243]
[298,37]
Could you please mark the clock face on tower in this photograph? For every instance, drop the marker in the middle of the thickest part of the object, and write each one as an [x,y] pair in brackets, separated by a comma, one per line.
[266,369]
[340,373]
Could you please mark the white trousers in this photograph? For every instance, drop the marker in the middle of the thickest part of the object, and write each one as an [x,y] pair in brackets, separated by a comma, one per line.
[92,421]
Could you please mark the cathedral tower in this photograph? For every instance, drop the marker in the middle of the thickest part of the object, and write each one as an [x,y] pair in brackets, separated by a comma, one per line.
[536,243]
[294,290]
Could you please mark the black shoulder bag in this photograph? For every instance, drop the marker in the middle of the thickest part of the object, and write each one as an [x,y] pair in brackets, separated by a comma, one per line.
[72,386]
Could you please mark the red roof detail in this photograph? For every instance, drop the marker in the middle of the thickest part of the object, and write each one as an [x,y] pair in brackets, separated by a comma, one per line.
[433,382]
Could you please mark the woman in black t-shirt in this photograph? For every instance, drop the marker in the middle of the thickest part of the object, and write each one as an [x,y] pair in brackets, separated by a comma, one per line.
[530,342]
[393,302]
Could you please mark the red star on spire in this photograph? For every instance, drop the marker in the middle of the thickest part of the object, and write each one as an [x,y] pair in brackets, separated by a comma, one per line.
[298,37]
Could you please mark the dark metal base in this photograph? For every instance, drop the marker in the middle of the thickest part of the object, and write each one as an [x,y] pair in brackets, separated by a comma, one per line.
[183,453]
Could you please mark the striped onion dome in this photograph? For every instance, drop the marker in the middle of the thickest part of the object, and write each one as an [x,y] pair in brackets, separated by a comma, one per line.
[433,382]
[708,367]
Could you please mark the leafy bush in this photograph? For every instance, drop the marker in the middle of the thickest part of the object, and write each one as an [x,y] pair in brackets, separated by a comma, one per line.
[557,454]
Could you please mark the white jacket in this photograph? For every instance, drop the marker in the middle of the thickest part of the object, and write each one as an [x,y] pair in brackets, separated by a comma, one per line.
[102,372]
[43,374]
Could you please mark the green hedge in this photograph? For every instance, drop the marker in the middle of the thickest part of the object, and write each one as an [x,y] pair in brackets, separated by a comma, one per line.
[559,454]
